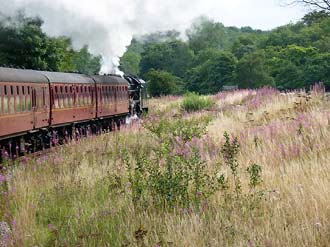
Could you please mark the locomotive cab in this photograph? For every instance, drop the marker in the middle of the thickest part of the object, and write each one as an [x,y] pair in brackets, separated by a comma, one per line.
[137,95]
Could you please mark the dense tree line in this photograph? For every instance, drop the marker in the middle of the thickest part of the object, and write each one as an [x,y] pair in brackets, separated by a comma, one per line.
[23,44]
[288,57]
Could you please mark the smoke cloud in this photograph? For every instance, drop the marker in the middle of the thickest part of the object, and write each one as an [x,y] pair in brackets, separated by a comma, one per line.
[107,26]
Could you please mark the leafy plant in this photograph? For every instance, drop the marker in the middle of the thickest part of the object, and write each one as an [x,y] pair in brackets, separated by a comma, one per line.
[193,102]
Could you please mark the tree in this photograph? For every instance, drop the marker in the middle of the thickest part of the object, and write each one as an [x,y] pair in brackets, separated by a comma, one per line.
[243,45]
[174,57]
[318,69]
[213,74]
[206,33]
[130,62]
[62,48]
[163,83]
[252,71]
[314,4]
[86,63]
[315,17]
[23,44]
[289,65]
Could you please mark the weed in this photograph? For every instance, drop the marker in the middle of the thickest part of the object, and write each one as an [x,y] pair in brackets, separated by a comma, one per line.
[193,102]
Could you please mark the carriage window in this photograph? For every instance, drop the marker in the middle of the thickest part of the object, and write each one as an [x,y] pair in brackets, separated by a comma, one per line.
[81,98]
[66,97]
[71,100]
[5,101]
[61,99]
[23,99]
[11,101]
[28,100]
[89,95]
[39,98]
[18,100]
[56,99]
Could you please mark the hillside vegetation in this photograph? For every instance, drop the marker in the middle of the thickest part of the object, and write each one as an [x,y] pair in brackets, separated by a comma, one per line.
[288,57]
[251,170]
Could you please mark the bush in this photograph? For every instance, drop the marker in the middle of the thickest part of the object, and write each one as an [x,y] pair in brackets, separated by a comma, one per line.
[193,102]
[177,173]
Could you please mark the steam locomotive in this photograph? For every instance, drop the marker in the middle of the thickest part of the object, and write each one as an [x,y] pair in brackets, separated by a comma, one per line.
[40,109]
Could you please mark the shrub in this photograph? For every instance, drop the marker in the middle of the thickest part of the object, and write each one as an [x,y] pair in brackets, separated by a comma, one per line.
[176,172]
[193,102]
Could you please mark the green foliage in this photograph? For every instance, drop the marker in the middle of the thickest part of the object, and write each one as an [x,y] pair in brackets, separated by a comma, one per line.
[243,45]
[255,175]
[206,33]
[163,83]
[213,74]
[23,44]
[252,71]
[175,173]
[230,151]
[130,62]
[172,56]
[193,102]
[86,63]
[214,55]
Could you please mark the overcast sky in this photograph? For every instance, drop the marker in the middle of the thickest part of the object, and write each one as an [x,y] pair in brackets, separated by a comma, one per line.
[108,26]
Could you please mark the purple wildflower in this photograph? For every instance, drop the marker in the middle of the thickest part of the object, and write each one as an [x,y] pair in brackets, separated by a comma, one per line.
[2,178]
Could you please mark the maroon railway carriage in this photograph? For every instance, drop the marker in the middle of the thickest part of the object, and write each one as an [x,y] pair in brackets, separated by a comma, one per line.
[112,95]
[72,98]
[38,108]
[24,102]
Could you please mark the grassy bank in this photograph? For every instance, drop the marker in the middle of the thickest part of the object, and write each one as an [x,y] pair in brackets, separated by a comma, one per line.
[251,171]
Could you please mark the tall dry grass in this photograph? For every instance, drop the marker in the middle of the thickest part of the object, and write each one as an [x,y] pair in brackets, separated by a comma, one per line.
[80,195]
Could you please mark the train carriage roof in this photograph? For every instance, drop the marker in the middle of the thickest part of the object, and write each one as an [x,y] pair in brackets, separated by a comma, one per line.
[109,79]
[21,75]
[35,76]
[61,77]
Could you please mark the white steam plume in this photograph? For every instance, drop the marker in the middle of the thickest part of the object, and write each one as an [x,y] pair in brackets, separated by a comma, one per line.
[107,26]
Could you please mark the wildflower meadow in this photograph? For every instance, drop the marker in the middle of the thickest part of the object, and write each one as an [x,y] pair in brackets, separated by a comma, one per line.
[251,169]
